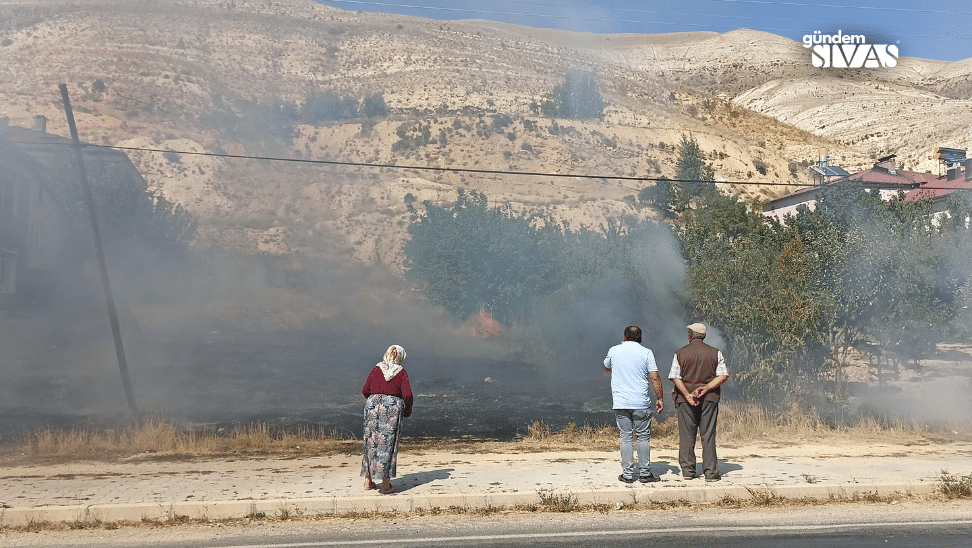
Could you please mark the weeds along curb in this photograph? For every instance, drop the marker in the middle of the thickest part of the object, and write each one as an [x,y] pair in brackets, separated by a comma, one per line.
[544,501]
[955,487]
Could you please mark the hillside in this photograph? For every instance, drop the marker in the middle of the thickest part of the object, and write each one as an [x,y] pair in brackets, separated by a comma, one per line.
[195,76]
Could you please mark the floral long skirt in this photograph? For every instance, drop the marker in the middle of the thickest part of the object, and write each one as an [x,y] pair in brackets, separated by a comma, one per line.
[382,425]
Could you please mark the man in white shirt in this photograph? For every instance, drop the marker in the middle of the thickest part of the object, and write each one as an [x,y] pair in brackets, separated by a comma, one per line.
[632,368]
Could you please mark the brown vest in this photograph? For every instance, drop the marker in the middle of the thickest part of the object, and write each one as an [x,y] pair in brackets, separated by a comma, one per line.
[698,363]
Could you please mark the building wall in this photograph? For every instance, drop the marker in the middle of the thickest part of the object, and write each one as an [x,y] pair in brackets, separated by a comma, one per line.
[30,230]
[13,232]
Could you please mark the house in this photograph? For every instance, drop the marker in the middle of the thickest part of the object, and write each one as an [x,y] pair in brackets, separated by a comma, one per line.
[883,177]
[32,226]
[44,224]
[958,178]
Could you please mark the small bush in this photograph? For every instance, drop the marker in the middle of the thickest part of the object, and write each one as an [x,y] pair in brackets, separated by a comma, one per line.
[760,166]
[374,105]
[558,502]
[501,122]
[955,487]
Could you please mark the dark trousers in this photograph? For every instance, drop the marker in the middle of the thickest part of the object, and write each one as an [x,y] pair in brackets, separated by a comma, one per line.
[697,421]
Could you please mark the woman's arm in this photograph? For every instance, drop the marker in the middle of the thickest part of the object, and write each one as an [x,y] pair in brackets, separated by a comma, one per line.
[407,394]
[367,390]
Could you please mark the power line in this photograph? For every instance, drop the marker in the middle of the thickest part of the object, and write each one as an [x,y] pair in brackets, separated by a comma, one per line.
[419,168]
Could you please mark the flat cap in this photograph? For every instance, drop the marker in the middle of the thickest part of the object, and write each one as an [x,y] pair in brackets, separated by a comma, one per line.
[697,328]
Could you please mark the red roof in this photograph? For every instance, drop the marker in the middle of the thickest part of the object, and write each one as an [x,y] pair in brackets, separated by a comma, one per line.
[936,189]
[900,177]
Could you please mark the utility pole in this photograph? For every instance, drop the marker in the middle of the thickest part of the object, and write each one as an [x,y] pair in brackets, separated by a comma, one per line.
[112,313]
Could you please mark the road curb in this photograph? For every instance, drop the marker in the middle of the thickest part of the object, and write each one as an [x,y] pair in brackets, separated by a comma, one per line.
[402,502]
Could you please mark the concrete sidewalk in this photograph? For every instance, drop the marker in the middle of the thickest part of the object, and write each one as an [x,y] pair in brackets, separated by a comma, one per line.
[212,489]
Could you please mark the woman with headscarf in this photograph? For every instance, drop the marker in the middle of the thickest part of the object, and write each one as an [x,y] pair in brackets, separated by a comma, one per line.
[389,399]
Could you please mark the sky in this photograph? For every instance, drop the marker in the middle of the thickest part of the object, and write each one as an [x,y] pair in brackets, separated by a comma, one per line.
[941,30]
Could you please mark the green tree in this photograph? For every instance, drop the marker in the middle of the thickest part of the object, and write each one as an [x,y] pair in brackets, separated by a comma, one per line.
[660,196]
[693,174]
[328,106]
[577,98]
[374,105]
[880,274]
[470,255]
[747,279]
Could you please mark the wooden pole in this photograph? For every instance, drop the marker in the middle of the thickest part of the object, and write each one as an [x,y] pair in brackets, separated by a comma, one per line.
[112,313]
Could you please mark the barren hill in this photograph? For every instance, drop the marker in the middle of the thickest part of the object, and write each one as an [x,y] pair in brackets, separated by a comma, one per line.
[197,75]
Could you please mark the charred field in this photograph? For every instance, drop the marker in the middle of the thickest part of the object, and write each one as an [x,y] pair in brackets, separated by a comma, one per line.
[296,379]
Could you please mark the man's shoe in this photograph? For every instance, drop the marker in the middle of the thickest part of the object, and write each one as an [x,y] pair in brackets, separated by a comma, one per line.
[713,479]
[650,478]
[626,480]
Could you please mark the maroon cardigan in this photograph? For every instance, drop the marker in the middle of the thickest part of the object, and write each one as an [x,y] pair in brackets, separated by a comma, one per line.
[398,386]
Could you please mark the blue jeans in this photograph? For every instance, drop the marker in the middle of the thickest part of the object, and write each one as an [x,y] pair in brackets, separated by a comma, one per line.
[637,421]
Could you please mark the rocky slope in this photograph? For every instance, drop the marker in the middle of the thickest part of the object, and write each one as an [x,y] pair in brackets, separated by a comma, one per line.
[188,75]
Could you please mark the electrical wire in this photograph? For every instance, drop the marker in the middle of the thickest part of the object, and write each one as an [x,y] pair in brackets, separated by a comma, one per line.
[417,167]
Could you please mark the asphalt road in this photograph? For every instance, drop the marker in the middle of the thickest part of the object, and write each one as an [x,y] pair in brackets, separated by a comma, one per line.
[942,525]
[939,535]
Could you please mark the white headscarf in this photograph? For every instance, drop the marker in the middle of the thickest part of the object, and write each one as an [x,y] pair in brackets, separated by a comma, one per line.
[392,365]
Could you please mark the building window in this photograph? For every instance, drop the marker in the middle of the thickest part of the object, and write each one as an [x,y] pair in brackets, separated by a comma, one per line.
[8,196]
[8,271]
[5,204]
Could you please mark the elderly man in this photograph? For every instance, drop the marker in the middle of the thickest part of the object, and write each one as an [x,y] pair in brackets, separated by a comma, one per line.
[698,370]
[632,368]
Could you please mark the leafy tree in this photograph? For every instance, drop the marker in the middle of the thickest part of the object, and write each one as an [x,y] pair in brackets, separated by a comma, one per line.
[412,135]
[957,230]
[469,256]
[270,123]
[549,108]
[794,300]
[577,98]
[693,173]
[374,106]
[660,196]
[329,106]
[747,279]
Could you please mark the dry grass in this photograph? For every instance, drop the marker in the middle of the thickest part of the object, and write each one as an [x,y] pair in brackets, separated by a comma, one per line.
[746,423]
[161,438]
[954,487]
[737,423]
[540,437]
